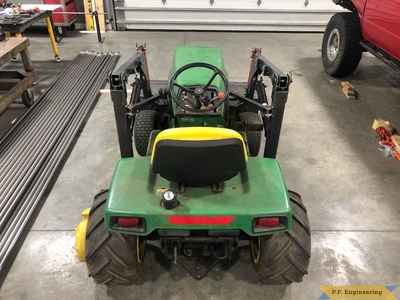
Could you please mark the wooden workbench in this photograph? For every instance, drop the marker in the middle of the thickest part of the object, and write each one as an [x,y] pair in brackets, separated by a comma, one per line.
[16,82]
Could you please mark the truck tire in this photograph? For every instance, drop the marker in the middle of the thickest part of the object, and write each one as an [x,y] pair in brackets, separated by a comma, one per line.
[145,122]
[253,137]
[111,258]
[341,50]
[283,258]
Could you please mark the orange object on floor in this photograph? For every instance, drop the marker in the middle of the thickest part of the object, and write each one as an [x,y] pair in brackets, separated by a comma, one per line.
[385,137]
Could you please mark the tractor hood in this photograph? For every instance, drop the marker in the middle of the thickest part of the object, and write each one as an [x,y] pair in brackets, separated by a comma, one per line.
[198,76]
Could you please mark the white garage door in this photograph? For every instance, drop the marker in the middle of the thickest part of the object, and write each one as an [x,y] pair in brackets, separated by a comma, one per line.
[239,15]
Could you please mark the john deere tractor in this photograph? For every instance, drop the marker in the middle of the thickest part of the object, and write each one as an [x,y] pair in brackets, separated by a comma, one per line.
[201,180]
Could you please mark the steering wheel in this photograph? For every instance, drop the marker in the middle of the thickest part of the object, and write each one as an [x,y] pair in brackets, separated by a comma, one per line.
[199,91]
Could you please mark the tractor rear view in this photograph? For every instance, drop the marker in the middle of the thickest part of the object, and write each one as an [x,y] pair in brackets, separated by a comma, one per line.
[202,181]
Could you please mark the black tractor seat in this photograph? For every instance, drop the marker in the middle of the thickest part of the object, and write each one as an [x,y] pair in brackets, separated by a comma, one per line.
[198,156]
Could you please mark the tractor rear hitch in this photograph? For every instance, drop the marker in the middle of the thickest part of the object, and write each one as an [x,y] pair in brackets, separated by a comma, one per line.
[198,267]
[198,255]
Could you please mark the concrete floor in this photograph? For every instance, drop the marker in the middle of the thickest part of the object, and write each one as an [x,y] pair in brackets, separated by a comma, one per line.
[328,153]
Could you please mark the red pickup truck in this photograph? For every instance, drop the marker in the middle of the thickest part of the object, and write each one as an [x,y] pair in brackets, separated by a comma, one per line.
[370,25]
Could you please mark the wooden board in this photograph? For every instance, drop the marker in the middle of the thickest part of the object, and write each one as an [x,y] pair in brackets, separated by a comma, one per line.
[396,142]
[348,90]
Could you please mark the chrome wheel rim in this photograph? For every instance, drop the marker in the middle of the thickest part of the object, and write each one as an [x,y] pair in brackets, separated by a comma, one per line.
[333,45]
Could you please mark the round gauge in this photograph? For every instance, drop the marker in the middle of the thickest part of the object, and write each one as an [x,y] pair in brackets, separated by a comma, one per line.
[169,200]
[169,195]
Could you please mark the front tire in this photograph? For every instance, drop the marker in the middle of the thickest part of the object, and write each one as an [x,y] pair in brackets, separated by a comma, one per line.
[283,258]
[341,50]
[111,258]
[145,122]
[253,137]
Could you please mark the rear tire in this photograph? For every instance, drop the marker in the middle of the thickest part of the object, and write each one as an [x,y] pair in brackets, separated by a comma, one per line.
[253,137]
[341,50]
[111,258]
[145,122]
[283,258]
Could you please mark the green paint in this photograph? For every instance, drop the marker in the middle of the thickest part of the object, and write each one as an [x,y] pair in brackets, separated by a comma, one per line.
[259,191]
[200,76]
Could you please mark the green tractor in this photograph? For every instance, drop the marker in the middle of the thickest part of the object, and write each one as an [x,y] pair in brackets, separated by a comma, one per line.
[199,185]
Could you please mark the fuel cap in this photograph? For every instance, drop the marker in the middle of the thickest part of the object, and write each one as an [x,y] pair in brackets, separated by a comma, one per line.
[169,200]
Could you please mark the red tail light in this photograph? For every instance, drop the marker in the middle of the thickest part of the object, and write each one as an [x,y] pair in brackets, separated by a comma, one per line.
[268,222]
[128,222]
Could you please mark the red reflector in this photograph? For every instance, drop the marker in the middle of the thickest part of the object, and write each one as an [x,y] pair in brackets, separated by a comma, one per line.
[128,222]
[200,220]
[268,222]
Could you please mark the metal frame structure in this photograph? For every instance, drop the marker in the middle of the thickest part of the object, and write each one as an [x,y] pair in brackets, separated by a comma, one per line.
[272,113]
[136,65]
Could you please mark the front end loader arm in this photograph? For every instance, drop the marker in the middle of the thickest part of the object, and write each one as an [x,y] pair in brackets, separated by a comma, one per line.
[260,66]
[136,65]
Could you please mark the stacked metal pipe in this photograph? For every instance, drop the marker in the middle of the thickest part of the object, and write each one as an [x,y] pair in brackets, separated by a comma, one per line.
[33,149]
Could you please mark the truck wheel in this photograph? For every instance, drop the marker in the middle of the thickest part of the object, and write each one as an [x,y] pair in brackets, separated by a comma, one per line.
[341,50]
[145,122]
[253,137]
[111,258]
[283,258]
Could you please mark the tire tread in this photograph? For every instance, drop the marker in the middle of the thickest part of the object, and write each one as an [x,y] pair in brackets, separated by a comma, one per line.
[285,257]
[253,137]
[145,122]
[350,51]
[110,257]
